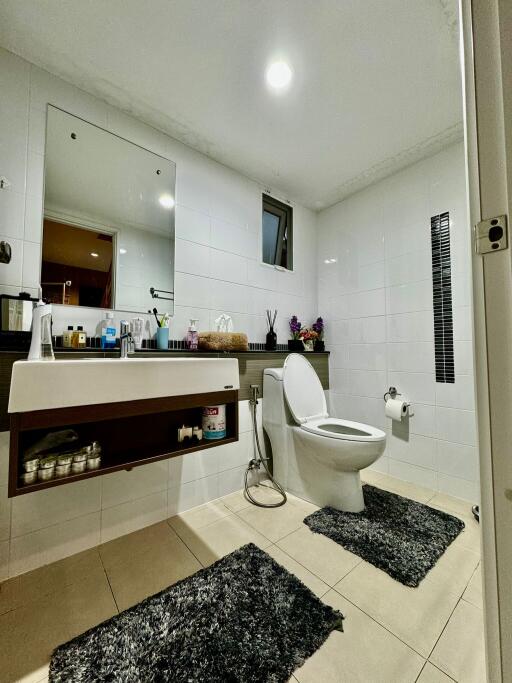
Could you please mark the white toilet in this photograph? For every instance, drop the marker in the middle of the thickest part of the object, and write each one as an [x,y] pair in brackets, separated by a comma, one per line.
[315,456]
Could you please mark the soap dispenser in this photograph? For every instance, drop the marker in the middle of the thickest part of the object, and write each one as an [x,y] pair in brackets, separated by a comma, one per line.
[41,344]
[192,336]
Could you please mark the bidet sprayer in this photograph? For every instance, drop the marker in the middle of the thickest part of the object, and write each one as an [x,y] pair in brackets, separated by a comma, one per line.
[255,392]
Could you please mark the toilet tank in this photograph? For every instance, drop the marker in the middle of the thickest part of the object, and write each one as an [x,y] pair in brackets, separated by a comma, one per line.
[275,410]
[276,418]
[272,391]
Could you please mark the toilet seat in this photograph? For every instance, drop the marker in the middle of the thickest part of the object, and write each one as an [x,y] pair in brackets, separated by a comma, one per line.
[345,430]
[306,400]
[303,390]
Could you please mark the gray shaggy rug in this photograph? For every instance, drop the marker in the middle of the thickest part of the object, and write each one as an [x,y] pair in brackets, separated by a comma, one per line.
[244,619]
[403,538]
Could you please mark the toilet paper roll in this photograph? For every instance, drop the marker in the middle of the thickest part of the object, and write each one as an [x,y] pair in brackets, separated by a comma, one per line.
[396,409]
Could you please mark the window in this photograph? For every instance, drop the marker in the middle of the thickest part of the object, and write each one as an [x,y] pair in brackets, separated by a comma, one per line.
[442,298]
[277,233]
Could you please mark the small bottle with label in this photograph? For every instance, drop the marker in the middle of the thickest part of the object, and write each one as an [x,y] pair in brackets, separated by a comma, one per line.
[82,338]
[78,338]
[108,332]
[66,337]
[192,337]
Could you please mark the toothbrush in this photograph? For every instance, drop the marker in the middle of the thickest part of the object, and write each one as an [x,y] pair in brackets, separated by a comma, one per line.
[155,313]
[164,322]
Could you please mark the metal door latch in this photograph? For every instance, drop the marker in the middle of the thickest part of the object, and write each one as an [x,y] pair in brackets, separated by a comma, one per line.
[491,235]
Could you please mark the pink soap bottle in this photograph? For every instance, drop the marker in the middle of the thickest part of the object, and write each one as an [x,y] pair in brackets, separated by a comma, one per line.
[192,336]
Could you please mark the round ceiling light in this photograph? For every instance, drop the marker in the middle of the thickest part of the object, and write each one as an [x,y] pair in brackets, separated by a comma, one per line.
[94,254]
[278,75]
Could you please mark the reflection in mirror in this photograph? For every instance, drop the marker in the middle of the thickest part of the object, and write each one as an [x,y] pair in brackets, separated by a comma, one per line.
[108,233]
[15,321]
[16,313]
[77,266]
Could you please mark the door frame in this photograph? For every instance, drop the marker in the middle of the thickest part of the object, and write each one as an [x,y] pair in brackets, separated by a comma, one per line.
[487,67]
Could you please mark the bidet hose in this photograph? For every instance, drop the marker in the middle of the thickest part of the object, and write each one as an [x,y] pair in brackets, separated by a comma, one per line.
[260,460]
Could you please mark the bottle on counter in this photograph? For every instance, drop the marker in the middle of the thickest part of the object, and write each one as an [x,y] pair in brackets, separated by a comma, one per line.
[192,337]
[108,332]
[79,338]
[82,338]
[67,337]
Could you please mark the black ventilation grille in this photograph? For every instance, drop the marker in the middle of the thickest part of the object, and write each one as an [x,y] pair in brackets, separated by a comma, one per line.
[442,298]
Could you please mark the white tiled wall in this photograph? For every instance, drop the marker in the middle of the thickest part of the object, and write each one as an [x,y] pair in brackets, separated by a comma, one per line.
[51,524]
[218,269]
[377,299]
[218,216]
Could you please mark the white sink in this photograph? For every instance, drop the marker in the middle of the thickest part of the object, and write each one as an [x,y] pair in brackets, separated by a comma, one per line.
[41,385]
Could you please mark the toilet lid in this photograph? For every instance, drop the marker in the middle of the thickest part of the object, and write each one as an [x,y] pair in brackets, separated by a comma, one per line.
[302,388]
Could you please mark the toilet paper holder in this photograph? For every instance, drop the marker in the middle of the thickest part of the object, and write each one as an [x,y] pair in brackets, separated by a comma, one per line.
[392,392]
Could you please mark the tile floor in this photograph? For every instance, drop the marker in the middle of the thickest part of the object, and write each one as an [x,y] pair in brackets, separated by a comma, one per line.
[430,634]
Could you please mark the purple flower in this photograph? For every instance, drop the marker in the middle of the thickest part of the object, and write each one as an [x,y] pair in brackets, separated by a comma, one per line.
[295,327]
[318,327]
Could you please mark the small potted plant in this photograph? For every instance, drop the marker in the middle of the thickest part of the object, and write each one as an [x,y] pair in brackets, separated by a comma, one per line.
[318,327]
[295,343]
[308,337]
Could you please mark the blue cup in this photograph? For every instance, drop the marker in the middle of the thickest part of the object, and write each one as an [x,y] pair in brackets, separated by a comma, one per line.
[162,338]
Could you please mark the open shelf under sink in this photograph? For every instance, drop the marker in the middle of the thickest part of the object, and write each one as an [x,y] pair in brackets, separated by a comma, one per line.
[131,433]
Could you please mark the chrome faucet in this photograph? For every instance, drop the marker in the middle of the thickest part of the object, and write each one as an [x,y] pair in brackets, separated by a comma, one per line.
[126,339]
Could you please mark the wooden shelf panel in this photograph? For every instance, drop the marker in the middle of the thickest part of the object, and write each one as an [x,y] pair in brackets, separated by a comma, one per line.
[128,465]
[57,417]
[131,433]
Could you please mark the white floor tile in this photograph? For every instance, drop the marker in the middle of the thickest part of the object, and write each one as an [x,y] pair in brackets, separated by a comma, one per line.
[211,542]
[473,592]
[276,523]
[431,674]
[364,653]
[415,615]
[326,559]
[460,651]
[406,489]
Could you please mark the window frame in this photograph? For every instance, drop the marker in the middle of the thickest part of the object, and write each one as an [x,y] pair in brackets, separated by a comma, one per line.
[284,212]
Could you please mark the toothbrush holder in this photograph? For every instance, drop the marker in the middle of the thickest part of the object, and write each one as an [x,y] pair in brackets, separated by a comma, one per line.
[162,338]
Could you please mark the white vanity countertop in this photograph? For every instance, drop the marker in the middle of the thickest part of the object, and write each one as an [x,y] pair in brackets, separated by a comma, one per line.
[41,385]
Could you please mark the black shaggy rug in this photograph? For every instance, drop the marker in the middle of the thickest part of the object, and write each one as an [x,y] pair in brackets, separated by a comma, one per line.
[396,534]
[244,619]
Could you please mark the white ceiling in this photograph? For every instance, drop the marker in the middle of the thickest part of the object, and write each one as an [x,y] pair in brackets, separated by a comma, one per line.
[376,83]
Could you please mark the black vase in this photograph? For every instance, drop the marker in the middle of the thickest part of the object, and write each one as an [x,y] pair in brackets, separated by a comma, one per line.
[319,345]
[271,340]
[295,345]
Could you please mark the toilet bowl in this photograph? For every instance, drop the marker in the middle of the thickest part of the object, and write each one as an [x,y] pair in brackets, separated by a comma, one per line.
[315,456]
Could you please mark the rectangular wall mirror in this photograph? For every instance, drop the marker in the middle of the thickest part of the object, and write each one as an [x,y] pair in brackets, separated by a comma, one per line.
[108,226]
